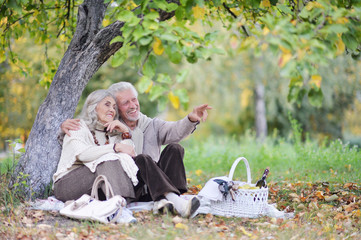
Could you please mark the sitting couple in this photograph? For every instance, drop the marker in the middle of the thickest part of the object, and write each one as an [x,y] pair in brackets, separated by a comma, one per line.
[126,148]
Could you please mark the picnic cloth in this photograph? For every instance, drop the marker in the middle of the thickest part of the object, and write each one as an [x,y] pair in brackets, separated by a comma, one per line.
[53,204]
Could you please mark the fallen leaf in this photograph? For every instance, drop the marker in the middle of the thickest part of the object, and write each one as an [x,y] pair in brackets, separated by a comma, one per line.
[319,195]
[313,205]
[300,207]
[293,195]
[350,207]
[339,216]
[350,185]
[245,232]
[331,198]
[357,213]
[181,226]
[27,221]
[177,220]
[209,218]
[44,226]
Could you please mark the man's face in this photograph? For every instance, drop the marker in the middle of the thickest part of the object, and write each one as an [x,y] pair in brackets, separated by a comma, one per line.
[128,105]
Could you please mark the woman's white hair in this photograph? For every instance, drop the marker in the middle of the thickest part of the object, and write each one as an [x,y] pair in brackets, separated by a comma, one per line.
[120,87]
[88,113]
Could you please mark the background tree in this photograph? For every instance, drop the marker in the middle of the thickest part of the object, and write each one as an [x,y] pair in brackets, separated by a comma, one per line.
[306,33]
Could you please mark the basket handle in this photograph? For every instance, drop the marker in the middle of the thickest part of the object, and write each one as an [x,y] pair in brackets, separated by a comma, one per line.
[231,172]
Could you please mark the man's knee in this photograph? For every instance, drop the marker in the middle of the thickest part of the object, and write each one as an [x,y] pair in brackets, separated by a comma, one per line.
[143,159]
[176,147]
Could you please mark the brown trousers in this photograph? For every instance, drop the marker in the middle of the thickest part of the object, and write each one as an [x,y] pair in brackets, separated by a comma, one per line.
[168,175]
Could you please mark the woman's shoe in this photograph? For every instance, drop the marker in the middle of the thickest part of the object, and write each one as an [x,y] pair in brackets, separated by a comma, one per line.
[163,206]
[126,217]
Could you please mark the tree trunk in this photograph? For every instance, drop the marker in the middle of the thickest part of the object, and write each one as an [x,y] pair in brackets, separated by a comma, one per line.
[88,50]
[261,120]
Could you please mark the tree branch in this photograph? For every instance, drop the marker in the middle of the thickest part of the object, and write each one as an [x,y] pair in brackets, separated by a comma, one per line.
[235,16]
[90,16]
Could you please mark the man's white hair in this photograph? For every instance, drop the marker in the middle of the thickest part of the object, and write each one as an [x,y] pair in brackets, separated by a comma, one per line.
[120,87]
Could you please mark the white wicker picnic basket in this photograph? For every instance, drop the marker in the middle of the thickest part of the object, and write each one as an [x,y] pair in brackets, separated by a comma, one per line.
[249,203]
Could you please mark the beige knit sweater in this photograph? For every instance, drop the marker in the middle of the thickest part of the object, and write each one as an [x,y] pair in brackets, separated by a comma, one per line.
[79,149]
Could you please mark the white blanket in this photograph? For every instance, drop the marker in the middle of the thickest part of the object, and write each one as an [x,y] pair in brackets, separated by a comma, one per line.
[52,204]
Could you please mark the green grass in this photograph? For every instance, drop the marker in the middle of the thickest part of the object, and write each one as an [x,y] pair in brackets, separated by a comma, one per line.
[288,160]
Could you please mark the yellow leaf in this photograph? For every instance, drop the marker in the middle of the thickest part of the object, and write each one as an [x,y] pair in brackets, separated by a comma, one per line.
[264,46]
[2,57]
[357,213]
[284,50]
[237,11]
[158,46]
[342,20]
[249,42]
[199,172]
[284,59]
[198,12]
[63,38]
[301,54]
[316,79]
[304,41]
[266,3]
[106,22]
[340,47]
[312,5]
[265,31]
[174,100]
[3,21]
[181,226]
[234,42]
[246,95]
[149,87]
[245,232]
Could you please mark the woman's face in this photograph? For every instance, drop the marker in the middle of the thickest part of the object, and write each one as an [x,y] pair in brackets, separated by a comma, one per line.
[106,110]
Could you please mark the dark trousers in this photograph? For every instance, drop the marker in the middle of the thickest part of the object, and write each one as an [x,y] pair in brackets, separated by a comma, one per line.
[168,175]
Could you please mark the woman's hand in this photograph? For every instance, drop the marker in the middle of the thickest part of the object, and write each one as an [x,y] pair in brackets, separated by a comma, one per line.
[125,148]
[116,125]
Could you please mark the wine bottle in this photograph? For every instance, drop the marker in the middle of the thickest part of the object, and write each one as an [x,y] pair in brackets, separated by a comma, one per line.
[262,182]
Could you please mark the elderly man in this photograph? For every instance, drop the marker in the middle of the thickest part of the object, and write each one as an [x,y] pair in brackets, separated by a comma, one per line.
[148,135]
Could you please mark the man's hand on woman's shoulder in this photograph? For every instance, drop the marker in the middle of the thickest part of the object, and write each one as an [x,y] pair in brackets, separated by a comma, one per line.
[70,125]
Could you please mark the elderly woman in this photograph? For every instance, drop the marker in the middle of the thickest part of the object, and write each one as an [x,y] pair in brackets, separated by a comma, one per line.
[97,148]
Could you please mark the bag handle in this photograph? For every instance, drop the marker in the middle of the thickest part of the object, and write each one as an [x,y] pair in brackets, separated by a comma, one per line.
[97,184]
[231,172]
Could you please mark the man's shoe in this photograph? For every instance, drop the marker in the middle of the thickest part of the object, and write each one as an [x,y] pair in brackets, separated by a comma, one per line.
[192,206]
[163,206]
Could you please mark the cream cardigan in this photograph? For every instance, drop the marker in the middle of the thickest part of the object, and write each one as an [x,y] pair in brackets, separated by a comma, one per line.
[79,149]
